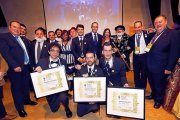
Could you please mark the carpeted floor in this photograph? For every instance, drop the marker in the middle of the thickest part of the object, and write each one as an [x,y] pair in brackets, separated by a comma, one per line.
[42,110]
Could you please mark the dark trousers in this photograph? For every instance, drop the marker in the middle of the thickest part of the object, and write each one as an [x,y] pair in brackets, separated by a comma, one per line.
[140,71]
[158,84]
[2,109]
[20,86]
[55,100]
[85,108]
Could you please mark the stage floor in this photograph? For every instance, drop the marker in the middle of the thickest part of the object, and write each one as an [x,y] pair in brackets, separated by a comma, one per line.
[43,112]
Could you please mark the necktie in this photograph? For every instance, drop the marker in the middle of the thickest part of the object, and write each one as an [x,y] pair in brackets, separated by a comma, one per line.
[54,64]
[138,39]
[26,58]
[81,43]
[89,73]
[107,65]
[154,38]
[95,39]
[38,51]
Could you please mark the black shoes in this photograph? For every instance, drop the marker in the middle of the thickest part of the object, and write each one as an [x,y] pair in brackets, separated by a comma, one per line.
[150,97]
[31,103]
[157,105]
[22,113]
[68,113]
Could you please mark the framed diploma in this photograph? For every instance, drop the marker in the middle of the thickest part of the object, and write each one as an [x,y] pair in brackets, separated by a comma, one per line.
[89,89]
[49,81]
[126,102]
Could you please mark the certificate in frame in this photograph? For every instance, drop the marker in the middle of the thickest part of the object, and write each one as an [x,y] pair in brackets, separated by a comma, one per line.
[49,81]
[89,89]
[126,102]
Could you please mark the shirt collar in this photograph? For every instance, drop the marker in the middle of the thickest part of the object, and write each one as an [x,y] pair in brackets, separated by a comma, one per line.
[80,37]
[50,59]
[92,67]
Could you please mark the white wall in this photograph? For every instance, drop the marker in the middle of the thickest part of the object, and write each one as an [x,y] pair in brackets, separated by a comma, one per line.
[29,12]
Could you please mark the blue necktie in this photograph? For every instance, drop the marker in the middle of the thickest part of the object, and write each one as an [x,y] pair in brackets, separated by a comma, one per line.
[95,39]
[26,58]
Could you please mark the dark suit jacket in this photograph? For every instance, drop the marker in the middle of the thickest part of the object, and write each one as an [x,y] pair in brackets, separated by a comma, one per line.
[12,52]
[44,64]
[97,48]
[44,50]
[76,48]
[48,40]
[97,72]
[146,36]
[118,71]
[165,52]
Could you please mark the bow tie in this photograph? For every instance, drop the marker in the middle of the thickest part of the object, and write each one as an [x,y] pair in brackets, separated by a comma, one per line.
[52,62]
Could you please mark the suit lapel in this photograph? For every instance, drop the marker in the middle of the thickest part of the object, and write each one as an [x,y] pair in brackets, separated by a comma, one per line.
[162,37]
[14,39]
[43,47]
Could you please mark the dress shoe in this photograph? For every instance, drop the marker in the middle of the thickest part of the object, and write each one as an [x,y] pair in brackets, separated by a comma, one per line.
[9,117]
[157,105]
[68,113]
[31,103]
[150,97]
[22,113]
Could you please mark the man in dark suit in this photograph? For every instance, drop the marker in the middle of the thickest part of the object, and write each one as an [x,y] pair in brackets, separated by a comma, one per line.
[39,45]
[51,37]
[138,43]
[114,68]
[80,45]
[91,70]
[163,53]
[96,39]
[16,52]
[53,61]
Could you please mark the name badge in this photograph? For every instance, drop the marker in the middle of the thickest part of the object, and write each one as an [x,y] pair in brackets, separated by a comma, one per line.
[137,50]
[149,46]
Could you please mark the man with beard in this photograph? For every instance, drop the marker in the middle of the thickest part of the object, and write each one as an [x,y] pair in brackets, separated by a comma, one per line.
[58,34]
[91,70]
[39,45]
[52,37]
[120,41]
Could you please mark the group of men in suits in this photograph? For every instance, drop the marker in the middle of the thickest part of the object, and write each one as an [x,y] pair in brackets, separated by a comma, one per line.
[154,56]
[111,67]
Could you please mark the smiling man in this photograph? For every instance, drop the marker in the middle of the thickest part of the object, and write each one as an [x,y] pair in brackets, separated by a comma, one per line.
[17,54]
[53,61]
[164,51]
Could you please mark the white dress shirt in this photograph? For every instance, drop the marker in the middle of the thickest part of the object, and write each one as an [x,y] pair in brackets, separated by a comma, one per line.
[142,43]
[36,45]
[110,62]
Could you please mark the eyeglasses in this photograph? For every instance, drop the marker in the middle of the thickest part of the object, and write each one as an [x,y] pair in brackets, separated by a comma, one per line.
[56,51]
